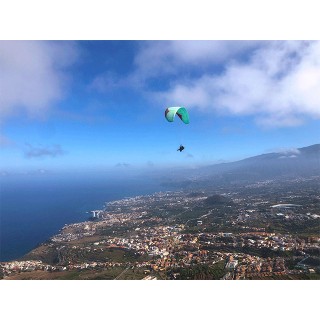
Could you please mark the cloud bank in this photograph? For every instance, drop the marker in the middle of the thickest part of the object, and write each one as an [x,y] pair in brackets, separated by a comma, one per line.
[169,57]
[156,59]
[289,151]
[33,75]
[274,82]
[278,85]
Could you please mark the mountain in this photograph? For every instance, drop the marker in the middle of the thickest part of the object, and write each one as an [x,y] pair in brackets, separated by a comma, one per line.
[301,162]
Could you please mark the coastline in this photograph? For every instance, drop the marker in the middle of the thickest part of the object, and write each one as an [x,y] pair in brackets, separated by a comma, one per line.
[33,211]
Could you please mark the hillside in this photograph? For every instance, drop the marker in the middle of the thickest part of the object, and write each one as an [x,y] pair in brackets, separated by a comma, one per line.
[295,163]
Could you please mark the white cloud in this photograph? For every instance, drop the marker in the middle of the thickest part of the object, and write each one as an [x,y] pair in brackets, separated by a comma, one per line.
[275,82]
[288,151]
[171,58]
[288,157]
[168,57]
[209,51]
[33,75]
[278,85]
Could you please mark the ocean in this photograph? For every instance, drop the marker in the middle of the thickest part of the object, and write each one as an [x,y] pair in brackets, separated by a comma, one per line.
[34,208]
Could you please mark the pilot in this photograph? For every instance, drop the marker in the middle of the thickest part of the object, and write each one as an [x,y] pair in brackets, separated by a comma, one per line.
[180,148]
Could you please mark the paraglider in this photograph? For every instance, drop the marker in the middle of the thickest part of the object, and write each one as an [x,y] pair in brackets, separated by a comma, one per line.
[182,113]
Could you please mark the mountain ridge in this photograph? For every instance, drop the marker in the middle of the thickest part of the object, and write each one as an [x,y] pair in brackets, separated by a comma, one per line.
[295,162]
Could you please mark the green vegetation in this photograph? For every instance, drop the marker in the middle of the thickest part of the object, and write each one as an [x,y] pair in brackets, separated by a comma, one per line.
[201,272]
[313,261]
[303,276]
[46,254]
[100,255]
[313,276]
[104,274]
[218,200]
[307,228]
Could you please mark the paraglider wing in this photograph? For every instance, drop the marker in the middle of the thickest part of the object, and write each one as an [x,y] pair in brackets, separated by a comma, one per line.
[180,111]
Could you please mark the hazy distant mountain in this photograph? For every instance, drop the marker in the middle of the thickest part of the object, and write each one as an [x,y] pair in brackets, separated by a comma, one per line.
[301,162]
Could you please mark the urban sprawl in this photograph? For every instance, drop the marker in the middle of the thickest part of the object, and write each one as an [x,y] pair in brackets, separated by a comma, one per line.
[267,230]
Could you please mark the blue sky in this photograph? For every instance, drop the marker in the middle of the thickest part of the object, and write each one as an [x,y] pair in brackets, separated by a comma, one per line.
[100,104]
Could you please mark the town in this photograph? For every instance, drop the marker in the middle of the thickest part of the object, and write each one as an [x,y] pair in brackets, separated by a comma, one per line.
[267,230]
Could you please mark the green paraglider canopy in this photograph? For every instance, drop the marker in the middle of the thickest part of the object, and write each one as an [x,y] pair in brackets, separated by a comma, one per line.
[180,111]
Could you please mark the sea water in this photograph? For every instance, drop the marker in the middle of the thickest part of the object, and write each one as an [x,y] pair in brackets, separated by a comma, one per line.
[32,209]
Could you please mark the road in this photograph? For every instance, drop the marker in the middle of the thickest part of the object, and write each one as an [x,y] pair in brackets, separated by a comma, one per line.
[203,216]
[123,272]
[301,262]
